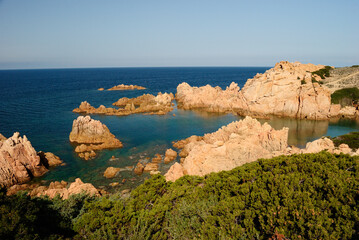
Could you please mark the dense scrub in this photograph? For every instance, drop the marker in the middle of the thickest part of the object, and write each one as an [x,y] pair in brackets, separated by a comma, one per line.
[352,139]
[345,96]
[309,196]
[324,72]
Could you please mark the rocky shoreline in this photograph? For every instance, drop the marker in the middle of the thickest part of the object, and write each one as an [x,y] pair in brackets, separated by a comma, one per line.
[287,90]
[126,87]
[145,104]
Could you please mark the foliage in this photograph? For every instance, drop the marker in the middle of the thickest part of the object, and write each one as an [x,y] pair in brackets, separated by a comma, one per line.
[345,96]
[354,66]
[308,196]
[352,139]
[302,82]
[22,217]
[324,72]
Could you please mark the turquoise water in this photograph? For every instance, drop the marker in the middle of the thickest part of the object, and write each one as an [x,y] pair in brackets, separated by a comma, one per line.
[39,103]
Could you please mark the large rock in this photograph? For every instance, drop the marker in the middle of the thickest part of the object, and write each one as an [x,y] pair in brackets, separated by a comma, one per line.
[19,161]
[170,155]
[62,189]
[92,135]
[111,172]
[49,159]
[286,90]
[145,104]
[233,145]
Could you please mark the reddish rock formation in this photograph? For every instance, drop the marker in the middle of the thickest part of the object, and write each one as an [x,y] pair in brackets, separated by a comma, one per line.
[126,87]
[49,159]
[286,90]
[157,158]
[64,191]
[170,155]
[19,161]
[2,138]
[151,167]
[233,145]
[111,172]
[101,89]
[145,104]
[92,135]
[139,168]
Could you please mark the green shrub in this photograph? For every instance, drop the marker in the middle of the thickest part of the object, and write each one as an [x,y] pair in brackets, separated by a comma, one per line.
[345,96]
[302,82]
[354,66]
[308,196]
[352,139]
[324,72]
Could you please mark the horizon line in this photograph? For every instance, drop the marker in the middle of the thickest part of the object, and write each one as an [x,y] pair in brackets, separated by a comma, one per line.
[60,68]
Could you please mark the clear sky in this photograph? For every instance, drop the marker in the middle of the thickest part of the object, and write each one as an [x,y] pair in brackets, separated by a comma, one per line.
[136,33]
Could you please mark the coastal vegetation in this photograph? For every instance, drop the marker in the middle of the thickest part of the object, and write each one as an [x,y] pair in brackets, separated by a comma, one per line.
[307,196]
[345,96]
[351,139]
[324,72]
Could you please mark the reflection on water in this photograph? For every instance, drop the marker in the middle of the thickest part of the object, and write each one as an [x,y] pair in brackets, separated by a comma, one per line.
[302,131]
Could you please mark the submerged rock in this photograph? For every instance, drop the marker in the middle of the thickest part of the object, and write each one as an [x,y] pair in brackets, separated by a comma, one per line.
[111,172]
[92,135]
[139,168]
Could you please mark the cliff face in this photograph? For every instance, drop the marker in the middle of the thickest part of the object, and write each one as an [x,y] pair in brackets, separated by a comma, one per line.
[19,161]
[285,90]
[91,135]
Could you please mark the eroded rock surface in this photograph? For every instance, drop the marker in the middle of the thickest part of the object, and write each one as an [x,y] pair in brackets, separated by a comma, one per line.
[233,145]
[145,104]
[91,135]
[19,162]
[286,90]
[126,87]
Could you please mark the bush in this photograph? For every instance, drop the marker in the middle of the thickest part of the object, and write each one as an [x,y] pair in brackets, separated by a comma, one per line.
[324,72]
[354,66]
[352,139]
[309,196]
[345,96]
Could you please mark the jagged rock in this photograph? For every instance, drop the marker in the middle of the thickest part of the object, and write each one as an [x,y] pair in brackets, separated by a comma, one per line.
[233,145]
[60,188]
[111,172]
[2,138]
[19,161]
[92,135]
[126,87]
[285,90]
[139,168]
[170,155]
[145,104]
[49,159]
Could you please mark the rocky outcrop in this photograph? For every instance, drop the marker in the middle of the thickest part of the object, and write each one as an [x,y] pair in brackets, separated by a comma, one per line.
[170,155]
[101,89]
[233,145]
[111,172]
[139,168]
[65,190]
[2,138]
[126,87]
[91,135]
[239,143]
[49,159]
[286,90]
[19,162]
[145,104]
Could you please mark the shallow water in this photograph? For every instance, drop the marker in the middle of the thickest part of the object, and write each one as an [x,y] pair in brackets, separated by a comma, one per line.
[39,103]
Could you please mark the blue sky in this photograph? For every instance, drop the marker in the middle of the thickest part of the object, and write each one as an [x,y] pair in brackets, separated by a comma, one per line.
[134,33]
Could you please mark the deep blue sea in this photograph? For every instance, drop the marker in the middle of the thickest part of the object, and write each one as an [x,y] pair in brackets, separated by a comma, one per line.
[39,104]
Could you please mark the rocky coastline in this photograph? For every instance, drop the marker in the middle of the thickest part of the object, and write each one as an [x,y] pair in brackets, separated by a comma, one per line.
[91,135]
[19,161]
[145,104]
[239,143]
[287,90]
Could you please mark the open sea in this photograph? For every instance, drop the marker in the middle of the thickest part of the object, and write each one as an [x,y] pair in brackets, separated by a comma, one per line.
[39,104]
